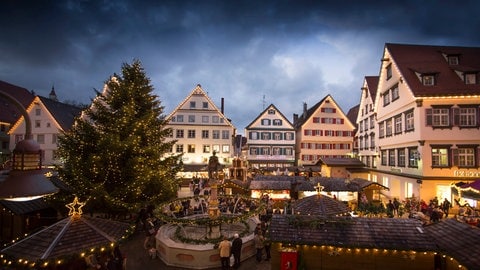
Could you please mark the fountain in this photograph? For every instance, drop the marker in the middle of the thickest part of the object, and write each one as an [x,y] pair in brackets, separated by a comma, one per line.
[189,240]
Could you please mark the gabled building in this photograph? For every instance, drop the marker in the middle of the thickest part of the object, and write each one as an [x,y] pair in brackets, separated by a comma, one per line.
[270,141]
[365,135]
[322,131]
[201,129]
[427,110]
[9,114]
[49,118]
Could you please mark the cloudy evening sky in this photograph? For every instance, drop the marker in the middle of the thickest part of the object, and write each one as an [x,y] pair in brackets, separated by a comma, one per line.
[252,53]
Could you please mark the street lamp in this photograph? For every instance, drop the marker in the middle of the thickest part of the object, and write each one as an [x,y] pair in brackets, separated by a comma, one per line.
[26,180]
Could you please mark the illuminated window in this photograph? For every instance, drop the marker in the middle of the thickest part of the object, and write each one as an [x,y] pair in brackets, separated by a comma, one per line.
[216,148]
[440,156]
[464,156]
[206,148]
[191,148]
[413,157]
[428,80]
[408,190]
[226,148]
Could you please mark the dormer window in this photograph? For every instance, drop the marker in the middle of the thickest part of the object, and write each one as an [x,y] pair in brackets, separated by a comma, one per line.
[271,111]
[470,78]
[452,60]
[428,79]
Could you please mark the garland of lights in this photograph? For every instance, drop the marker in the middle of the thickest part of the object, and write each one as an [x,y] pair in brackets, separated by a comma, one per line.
[222,219]
[215,241]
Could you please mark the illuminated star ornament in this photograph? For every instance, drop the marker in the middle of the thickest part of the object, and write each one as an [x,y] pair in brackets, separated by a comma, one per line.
[75,207]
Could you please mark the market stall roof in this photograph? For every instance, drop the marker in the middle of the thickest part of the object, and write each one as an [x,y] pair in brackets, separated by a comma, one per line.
[467,190]
[24,207]
[235,183]
[280,182]
[380,233]
[320,205]
[341,162]
[458,239]
[66,237]
[330,184]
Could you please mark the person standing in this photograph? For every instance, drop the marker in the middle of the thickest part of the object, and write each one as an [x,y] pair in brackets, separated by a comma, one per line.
[267,243]
[236,250]
[225,249]
[446,205]
[258,240]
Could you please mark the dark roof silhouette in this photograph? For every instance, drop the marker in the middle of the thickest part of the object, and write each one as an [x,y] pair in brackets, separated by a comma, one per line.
[321,206]
[9,112]
[63,113]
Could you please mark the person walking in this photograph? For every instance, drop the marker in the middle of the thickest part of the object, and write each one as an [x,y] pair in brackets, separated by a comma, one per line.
[236,250]
[225,252]
[258,240]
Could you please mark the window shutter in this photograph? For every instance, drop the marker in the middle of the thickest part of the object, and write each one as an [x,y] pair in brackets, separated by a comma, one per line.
[323,120]
[342,121]
[334,120]
[455,157]
[428,113]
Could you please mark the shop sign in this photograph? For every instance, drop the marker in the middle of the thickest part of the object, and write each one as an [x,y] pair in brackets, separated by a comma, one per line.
[465,173]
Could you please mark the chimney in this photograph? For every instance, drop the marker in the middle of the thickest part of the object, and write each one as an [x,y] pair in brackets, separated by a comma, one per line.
[295,118]
[304,110]
[222,104]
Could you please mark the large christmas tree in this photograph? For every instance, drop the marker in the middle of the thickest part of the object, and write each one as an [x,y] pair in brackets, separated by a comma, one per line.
[115,156]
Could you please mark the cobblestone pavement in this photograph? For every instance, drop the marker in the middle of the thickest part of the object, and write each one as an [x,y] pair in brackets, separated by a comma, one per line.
[137,257]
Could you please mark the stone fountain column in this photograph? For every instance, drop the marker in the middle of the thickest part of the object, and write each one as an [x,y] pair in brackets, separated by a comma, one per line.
[213,231]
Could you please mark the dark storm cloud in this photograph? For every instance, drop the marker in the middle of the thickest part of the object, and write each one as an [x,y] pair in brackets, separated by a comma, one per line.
[253,53]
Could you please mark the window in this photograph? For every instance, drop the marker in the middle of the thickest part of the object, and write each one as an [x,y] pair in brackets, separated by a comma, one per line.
[216,148]
[409,121]
[180,118]
[265,150]
[372,140]
[388,127]
[54,138]
[465,117]
[179,133]
[192,104]
[41,138]
[205,134]
[215,119]
[386,98]
[277,136]
[253,135]
[452,60]
[470,78]
[191,148]
[215,134]
[226,148]
[328,110]
[276,151]
[191,118]
[206,148]
[428,80]
[395,93]
[438,117]
[366,124]
[464,156]
[372,121]
[205,105]
[366,141]
[413,157]
[440,156]
[381,130]
[401,157]
[391,157]
[408,190]
[265,122]
[383,156]
[37,123]
[288,136]
[38,112]
[316,120]
[277,122]
[253,151]
[271,111]
[179,148]
[266,136]
[191,134]
[398,124]
[389,71]
[204,119]
[225,134]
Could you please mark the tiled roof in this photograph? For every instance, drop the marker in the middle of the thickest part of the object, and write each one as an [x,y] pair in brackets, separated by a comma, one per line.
[341,162]
[265,111]
[352,114]
[422,59]
[21,208]
[458,239]
[9,112]
[321,206]
[341,184]
[63,113]
[66,237]
[280,182]
[372,83]
[381,233]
